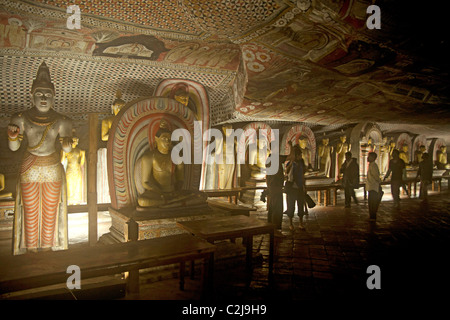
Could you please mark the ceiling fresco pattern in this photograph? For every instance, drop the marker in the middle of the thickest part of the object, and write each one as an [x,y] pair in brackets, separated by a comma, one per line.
[275,60]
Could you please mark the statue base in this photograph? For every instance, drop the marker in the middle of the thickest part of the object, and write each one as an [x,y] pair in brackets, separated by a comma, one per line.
[154,222]
[253,194]
[6,218]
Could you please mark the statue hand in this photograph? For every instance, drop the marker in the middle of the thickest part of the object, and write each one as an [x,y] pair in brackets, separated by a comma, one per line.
[13,131]
[66,143]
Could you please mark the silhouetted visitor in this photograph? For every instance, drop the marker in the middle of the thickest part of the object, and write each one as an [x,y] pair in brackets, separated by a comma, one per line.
[350,179]
[373,186]
[426,174]
[295,187]
[274,193]
[396,167]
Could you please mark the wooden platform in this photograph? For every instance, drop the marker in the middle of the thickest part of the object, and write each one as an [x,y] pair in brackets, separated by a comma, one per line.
[47,268]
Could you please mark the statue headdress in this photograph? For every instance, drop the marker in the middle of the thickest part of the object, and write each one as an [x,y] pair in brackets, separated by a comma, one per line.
[43,79]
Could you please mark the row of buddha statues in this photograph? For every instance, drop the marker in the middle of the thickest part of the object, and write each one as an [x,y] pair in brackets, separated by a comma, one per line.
[46,186]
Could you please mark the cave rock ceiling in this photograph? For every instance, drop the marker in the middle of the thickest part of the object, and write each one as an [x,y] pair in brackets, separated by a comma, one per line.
[275,60]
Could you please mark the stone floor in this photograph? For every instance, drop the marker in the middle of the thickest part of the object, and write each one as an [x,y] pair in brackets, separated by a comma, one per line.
[329,260]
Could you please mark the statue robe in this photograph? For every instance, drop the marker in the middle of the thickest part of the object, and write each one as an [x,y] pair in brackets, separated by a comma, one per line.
[40,218]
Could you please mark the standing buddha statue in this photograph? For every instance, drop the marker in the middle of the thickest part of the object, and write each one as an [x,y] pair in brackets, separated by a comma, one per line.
[40,219]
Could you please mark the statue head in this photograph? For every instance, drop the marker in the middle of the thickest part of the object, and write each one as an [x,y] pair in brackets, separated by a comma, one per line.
[343,139]
[261,142]
[163,138]
[43,90]
[422,148]
[325,141]
[118,103]
[180,92]
[74,142]
[392,143]
[405,148]
[303,143]
[443,149]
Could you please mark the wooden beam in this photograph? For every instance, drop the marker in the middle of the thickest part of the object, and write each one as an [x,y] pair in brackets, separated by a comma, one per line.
[92,178]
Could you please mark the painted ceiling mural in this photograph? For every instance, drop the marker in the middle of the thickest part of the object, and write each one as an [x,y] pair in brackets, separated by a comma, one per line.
[312,61]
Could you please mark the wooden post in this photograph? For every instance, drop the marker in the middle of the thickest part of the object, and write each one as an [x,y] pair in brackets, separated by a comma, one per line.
[92,177]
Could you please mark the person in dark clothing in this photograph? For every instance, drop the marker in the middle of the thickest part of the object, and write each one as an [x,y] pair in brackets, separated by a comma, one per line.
[426,174]
[350,179]
[274,193]
[295,187]
[396,167]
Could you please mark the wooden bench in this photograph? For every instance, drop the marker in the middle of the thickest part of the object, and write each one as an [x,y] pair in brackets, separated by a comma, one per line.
[231,227]
[234,209]
[230,193]
[41,269]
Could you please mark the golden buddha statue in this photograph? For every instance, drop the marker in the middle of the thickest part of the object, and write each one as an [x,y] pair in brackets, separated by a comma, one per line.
[341,148]
[258,158]
[74,174]
[115,108]
[404,154]
[306,153]
[161,179]
[227,167]
[442,158]
[384,156]
[419,153]
[3,195]
[325,157]
[391,148]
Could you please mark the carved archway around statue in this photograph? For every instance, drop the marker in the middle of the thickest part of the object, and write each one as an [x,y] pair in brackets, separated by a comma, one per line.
[404,139]
[250,133]
[132,133]
[434,147]
[198,103]
[293,135]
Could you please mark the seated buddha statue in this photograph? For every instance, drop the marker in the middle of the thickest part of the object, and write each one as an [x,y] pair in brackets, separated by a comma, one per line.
[161,179]
[404,154]
[419,153]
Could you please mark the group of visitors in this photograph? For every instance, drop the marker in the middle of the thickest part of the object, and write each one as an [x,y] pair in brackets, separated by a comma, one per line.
[291,180]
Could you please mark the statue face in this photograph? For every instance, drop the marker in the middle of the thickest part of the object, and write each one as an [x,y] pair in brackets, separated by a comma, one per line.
[163,142]
[405,148]
[343,139]
[183,99]
[262,143]
[302,143]
[43,99]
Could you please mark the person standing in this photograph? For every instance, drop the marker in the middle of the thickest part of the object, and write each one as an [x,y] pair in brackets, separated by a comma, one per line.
[396,167]
[295,187]
[426,174]
[373,186]
[350,179]
[274,193]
